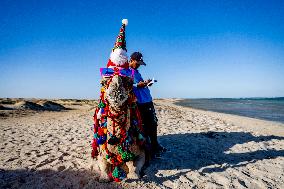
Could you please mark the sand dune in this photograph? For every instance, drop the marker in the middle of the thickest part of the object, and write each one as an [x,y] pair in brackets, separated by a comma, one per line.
[18,107]
[53,106]
[36,105]
[48,149]
[27,105]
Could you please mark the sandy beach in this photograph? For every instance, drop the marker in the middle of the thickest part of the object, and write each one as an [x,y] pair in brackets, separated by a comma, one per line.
[48,146]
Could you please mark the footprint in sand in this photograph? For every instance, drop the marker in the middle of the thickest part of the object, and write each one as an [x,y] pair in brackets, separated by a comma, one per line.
[61,168]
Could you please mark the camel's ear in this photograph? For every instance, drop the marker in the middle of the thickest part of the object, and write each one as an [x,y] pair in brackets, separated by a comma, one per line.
[131,83]
[104,80]
[128,83]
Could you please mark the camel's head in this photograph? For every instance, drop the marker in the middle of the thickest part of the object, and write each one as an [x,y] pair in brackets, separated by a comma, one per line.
[117,90]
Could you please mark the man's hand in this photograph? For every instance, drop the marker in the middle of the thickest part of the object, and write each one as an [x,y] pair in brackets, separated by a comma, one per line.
[142,84]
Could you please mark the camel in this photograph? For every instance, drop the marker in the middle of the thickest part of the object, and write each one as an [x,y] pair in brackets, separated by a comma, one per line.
[118,142]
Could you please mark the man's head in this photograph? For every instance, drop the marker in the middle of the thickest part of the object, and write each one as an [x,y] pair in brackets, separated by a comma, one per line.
[136,59]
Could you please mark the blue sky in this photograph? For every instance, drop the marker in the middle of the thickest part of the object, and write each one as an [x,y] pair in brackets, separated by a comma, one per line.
[195,49]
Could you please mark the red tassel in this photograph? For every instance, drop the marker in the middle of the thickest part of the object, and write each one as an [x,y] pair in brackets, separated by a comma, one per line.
[116,179]
[94,144]
[95,129]
[95,153]
[101,131]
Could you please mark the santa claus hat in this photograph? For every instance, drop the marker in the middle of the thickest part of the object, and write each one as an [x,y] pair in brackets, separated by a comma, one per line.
[118,56]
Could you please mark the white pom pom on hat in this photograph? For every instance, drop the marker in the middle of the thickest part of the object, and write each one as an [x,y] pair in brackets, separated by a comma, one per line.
[125,22]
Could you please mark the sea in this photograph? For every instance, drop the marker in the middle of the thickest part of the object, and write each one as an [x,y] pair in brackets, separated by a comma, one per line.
[271,109]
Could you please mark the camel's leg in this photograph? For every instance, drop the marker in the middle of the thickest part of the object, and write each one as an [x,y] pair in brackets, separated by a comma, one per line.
[104,169]
[135,167]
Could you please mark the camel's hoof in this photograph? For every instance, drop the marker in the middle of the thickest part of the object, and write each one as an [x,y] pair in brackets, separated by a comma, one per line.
[133,176]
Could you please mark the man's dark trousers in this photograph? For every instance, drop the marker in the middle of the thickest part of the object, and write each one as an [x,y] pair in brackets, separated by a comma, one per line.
[149,122]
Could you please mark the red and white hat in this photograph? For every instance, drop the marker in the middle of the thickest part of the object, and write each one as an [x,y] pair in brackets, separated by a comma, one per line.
[118,56]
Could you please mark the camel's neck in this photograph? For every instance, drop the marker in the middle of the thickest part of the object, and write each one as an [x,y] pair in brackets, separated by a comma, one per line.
[118,122]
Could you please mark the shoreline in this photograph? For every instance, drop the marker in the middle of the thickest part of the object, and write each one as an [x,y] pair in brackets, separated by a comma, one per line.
[179,103]
[234,118]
